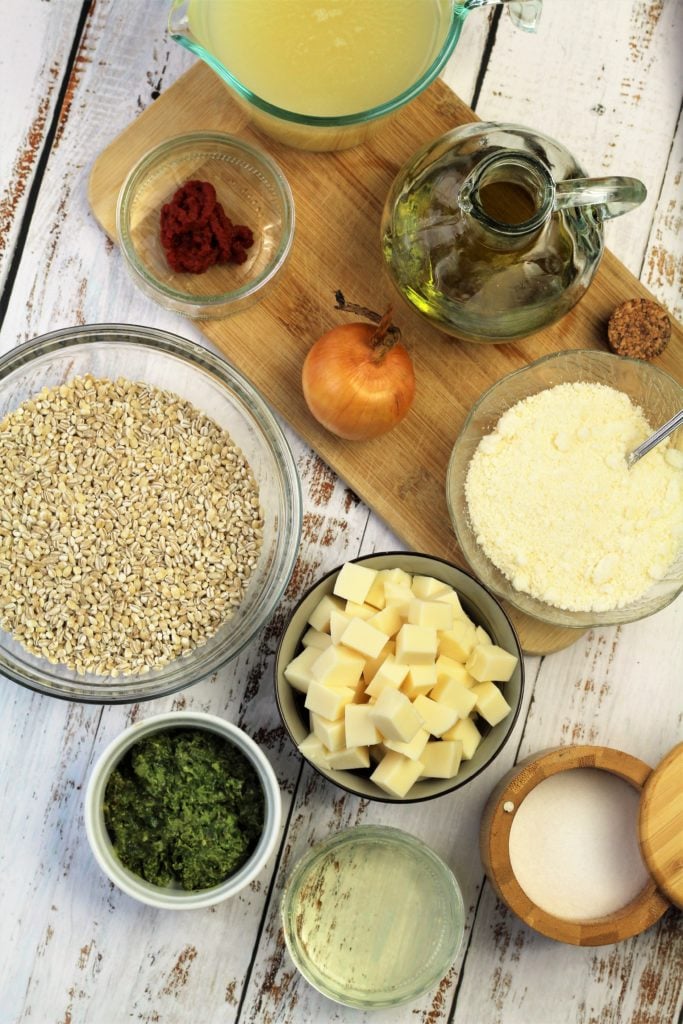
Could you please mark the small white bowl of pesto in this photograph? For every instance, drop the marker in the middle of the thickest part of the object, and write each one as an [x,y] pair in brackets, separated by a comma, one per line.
[182,810]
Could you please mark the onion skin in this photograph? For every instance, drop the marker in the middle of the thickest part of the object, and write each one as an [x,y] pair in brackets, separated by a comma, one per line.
[356,382]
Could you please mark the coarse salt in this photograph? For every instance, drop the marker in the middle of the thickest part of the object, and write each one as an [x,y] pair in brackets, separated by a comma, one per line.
[556,509]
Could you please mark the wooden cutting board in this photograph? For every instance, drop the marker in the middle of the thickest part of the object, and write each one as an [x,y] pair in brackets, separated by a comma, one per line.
[338,199]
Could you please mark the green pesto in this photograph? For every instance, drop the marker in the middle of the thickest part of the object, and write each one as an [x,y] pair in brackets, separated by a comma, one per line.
[184,806]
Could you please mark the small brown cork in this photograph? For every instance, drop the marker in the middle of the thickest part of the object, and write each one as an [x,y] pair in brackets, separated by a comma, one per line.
[639,328]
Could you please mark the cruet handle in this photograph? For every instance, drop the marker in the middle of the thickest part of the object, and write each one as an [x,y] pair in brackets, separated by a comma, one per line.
[525,14]
[609,196]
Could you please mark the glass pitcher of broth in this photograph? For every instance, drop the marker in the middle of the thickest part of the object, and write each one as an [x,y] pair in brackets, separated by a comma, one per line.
[493,231]
[324,74]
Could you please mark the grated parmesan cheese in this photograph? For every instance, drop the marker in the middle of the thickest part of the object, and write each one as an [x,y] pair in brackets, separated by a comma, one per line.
[556,509]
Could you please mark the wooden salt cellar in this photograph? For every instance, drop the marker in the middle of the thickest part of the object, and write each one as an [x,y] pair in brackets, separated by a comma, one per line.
[660,835]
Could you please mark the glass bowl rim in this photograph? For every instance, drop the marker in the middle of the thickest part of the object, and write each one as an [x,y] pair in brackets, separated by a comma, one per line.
[510,597]
[385,798]
[137,174]
[97,833]
[331,121]
[367,832]
[155,339]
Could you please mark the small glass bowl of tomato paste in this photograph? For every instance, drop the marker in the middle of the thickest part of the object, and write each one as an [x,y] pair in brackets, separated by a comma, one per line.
[205,222]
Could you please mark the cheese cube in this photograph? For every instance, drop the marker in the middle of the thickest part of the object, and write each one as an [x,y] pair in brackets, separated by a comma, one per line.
[491,703]
[330,733]
[448,668]
[467,733]
[338,623]
[352,757]
[441,759]
[337,666]
[359,611]
[416,645]
[450,597]
[458,642]
[315,638]
[438,717]
[362,637]
[426,587]
[354,582]
[298,673]
[373,664]
[360,729]
[482,636]
[430,613]
[390,674]
[455,695]
[320,616]
[394,715]
[414,748]
[488,661]
[377,752]
[388,620]
[375,595]
[395,774]
[314,750]
[398,596]
[420,679]
[397,577]
[328,701]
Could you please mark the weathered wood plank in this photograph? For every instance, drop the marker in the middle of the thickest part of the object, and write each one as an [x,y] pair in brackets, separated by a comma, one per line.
[37,39]
[663,264]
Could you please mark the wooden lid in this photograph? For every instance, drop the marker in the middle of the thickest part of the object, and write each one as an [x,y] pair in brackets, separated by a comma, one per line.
[660,825]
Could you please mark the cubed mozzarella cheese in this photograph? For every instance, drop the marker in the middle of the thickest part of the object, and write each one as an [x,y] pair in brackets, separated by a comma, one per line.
[416,645]
[438,717]
[359,611]
[320,616]
[394,716]
[388,620]
[353,582]
[491,703]
[360,729]
[413,749]
[436,615]
[455,695]
[420,679]
[390,674]
[314,749]
[330,733]
[466,731]
[426,587]
[448,668]
[488,661]
[395,774]
[298,672]
[316,638]
[361,636]
[352,757]
[441,759]
[457,642]
[328,701]
[337,666]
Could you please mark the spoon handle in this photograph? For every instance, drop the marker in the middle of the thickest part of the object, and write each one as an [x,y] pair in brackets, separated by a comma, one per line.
[654,439]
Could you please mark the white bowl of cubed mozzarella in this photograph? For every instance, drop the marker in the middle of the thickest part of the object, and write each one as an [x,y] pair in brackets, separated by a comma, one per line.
[399,677]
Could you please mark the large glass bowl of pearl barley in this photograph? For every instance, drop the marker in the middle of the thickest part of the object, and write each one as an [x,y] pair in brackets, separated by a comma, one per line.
[544,507]
[150,513]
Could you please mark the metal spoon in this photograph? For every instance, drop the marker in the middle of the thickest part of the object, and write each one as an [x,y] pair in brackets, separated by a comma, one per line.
[654,439]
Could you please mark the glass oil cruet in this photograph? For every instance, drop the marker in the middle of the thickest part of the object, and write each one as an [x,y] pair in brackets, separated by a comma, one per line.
[493,231]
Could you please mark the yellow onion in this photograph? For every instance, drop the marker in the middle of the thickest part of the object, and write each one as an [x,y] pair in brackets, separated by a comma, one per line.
[358,379]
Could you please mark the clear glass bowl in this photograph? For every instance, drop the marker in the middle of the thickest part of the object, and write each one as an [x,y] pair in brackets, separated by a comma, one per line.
[167,361]
[251,189]
[372,917]
[657,394]
[479,604]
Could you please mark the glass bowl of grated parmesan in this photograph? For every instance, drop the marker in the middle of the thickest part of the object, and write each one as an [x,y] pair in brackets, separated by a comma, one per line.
[543,505]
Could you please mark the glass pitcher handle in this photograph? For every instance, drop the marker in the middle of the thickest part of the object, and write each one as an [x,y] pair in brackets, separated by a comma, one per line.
[525,14]
[610,196]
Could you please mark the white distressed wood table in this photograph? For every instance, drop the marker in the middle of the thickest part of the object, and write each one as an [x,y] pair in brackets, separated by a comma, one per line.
[606,78]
